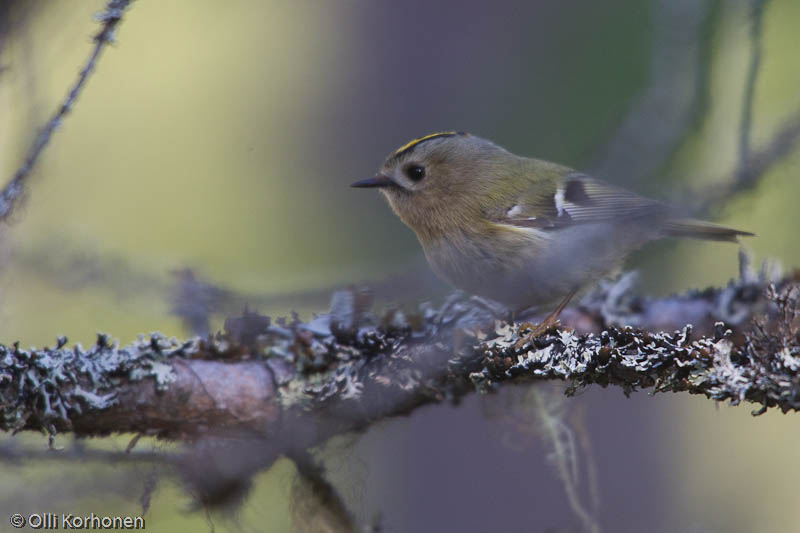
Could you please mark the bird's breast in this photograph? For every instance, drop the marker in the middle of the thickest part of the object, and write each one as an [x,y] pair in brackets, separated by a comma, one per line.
[522,267]
[488,264]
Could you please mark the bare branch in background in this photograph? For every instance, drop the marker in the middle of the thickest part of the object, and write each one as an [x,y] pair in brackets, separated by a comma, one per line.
[659,118]
[14,190]
[316,505]
[752,164]
[746,125]
[72,265]
[783,143]
[12,452]
[5,24]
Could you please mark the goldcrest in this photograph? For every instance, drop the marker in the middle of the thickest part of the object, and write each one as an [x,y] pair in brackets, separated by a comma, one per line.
[519,230]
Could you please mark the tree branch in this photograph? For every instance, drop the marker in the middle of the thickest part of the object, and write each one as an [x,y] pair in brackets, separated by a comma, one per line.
[782,144]
[13,191]
[301,383]
[264,389]
[672,98]
[752,164]
[746,124]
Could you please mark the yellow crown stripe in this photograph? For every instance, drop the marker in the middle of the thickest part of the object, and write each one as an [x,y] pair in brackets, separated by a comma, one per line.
[417,141]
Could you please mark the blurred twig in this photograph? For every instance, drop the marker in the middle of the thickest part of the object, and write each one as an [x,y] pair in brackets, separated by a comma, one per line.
[316,505]
[751,164]
[666,107]
[782,144]
[11,453]
[745,128]
[5,26]
[661,115]
[73,266]
[13,191]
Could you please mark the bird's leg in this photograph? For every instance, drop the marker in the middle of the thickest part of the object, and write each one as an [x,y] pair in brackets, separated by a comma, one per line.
[551,320]
[513,314]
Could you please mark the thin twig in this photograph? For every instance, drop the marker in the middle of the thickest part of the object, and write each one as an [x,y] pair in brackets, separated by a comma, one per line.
[12,192]
[752,164]
[746,126]
[671,98]
[759,162]
[11,452]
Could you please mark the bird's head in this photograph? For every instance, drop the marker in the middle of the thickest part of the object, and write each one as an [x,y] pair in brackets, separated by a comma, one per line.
[438,179]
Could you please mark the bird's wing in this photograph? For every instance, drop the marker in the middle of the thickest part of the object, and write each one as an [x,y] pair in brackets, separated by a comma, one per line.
[579,199]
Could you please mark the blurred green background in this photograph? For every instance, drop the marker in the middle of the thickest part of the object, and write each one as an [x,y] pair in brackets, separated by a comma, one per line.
[222,137]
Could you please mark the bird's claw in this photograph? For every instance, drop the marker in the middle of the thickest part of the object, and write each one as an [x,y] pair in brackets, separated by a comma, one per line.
[535,330]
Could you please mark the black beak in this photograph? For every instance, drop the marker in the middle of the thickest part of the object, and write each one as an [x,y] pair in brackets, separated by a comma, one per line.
[377,181]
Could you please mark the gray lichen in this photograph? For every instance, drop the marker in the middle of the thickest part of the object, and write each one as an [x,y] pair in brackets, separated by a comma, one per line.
[755,366]
[40,387]
[354,366]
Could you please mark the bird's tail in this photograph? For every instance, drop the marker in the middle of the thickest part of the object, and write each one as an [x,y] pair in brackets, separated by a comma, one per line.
[699,229]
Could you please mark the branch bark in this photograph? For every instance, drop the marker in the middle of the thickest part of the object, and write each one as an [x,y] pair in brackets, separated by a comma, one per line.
[263,390]
[301,383]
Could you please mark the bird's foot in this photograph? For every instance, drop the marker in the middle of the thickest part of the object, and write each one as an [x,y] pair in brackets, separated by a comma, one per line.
[550,322]
[528,331]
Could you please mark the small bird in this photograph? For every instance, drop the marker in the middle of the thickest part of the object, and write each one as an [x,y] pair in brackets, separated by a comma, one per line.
[518,230]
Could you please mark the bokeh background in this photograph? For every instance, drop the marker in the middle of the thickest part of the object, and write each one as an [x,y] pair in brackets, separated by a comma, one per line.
[222,136]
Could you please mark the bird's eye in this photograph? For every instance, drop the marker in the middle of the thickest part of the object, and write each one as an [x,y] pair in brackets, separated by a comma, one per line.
[415,172]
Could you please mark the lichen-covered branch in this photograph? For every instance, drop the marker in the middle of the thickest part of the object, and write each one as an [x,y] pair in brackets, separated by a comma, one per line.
[300,383]
[263,390]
